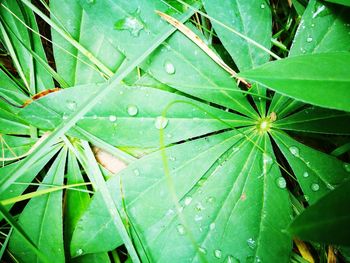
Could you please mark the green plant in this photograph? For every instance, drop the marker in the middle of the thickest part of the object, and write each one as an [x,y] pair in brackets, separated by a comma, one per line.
[214,167]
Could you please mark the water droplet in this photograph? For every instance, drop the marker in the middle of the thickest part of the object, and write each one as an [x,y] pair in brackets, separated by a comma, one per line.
[181,229]
[112,118]
[65,116]
[347,167]
[169,67]
[170,212]
[94,117]
[251,243]
[262,6]
[90,2]
[319,10]
[161,122]
[231,259]
[188,200]
[72,105]
[309,39]
[198,218]
[132,110]
[305,174]
[307,198]
[133,24]
[202,250]
[329,186]
[79,252]
[267,159]
[136,172]
[217,253]
[172,158]
[294,150]
[315,187]
[281,182]
[212,226]
[211,199]
[235,149]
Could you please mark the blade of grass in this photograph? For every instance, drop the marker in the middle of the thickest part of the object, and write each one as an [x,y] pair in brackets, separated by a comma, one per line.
[100,185]
[4,245]
[31,195]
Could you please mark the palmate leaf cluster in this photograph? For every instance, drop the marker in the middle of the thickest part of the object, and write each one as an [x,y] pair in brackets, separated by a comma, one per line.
[213,170]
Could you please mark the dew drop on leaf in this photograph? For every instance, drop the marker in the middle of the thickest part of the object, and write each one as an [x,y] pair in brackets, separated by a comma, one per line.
[211,199]
[161,122]
[315,187]
[169,67]
[281,182]
[347,167]
[267,159]
[136,172]
[309,39]
[65,116]
[217,253]
[198,218]
[79,252]
[112,118]
[132,23]
[180,229]
[262,6]
[172,158]
[72,105]
[132,110]
[202,250]
[305,174]
[188,200]
[294,150]
[94,117]
[212,226]
[90,2]
[251,243]
[231,259]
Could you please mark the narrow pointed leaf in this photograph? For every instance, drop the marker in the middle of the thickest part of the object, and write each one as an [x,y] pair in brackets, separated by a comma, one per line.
[326,221]
[316,120]
[42,220]
[309,79]
[316,172]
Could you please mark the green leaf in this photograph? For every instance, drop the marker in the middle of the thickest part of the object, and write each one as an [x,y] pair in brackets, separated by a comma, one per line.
[323,28]
[74,67]
[326,221]
[228,196]
[42,220]
[126,118]
[316,120]
[317,173]
[34,75]
[252,19]
[341,2]
[308,78]
[192,71]
[14,146]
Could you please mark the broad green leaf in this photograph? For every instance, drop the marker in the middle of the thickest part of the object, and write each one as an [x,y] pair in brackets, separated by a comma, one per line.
[76,201]
[316,120]
[92,258]
[126,118]
[42,219]
[326,221]
[14,146]
[323,28]
[308,78]
[74,67]
[22,183]
[228,195]
[341,2]
[317,173]
[252,19]
[178,62]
